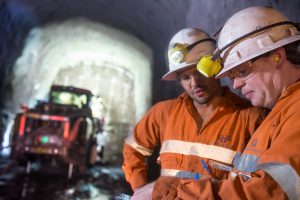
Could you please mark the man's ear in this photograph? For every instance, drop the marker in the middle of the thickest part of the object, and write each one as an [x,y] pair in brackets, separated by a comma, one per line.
[279,56]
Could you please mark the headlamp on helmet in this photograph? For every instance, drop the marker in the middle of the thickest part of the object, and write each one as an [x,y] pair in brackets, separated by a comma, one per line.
[210,65]
[177,53]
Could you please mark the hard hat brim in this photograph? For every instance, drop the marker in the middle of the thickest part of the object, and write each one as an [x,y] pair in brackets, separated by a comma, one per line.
[171,75]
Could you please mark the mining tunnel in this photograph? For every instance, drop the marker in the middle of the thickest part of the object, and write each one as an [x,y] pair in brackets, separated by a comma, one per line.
[113,52]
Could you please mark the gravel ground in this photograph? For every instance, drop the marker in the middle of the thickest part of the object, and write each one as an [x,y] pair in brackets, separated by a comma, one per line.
[102,181]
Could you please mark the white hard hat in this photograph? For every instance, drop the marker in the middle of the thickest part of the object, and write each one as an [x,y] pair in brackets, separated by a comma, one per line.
[252,32]
[186,48]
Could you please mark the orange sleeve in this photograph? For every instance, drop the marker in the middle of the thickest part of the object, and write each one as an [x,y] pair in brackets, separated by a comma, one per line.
[260,186]
[147,135]
[134,167]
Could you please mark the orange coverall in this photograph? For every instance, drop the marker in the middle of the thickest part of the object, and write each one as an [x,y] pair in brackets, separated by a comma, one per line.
[186,149]
[271,158]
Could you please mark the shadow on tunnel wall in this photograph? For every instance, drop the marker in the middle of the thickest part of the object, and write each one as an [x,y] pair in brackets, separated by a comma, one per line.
[16,21]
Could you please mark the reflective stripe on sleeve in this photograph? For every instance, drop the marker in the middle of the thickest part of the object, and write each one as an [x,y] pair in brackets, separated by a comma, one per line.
[130,140]
[246,162]
[177,173]
[285,176]
[197,149]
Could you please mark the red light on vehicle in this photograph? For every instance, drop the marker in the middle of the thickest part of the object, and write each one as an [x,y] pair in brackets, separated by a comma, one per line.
[22,125]
[66,129]
[57,118]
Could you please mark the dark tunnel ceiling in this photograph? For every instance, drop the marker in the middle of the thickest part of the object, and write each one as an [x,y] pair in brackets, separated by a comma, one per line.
[152,21]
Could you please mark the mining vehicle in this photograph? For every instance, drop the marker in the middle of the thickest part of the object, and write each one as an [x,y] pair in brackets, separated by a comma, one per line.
[61,129]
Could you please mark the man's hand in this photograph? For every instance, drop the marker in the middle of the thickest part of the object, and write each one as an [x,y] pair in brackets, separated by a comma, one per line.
[165,188]
[144,192]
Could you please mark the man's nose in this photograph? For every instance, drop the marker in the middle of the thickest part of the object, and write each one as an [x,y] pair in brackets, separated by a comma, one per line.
[195,78]
[238,84]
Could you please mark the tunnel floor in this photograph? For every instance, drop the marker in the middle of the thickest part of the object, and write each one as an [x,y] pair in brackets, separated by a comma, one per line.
[102,181]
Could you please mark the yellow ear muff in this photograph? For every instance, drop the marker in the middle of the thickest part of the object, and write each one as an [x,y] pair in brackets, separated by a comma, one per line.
[276,58]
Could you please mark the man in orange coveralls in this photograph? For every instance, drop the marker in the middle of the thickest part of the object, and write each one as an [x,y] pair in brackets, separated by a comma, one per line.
[260,51]
[200,133]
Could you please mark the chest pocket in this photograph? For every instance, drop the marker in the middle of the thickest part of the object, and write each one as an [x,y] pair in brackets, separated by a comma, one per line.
[171,161]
